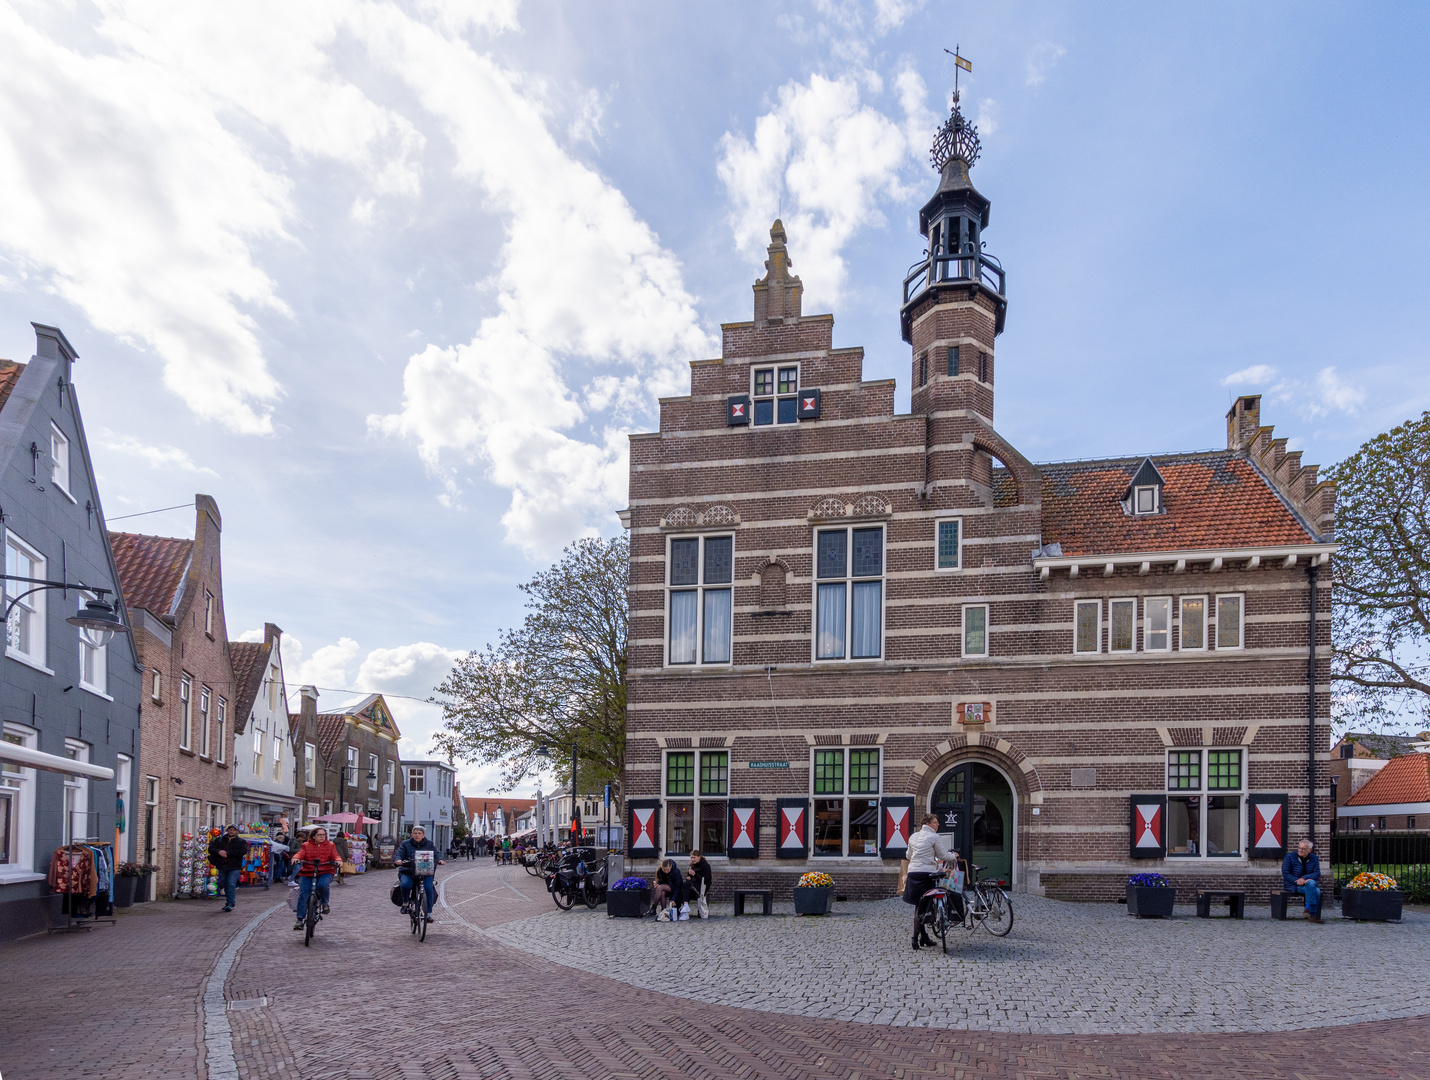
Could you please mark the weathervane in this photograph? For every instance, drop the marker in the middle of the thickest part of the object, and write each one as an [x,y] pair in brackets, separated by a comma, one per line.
[957,138]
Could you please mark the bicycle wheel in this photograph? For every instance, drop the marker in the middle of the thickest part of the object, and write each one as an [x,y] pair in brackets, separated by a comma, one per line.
[310,922]
[412,914]
[421,925]
[531,868]
[999,919]
[940,924]
[564,896]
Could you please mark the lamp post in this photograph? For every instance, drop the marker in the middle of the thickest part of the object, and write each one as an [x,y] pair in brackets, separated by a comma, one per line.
[542,752]
[343,783]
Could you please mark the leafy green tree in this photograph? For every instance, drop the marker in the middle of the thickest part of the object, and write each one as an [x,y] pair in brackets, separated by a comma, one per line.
[1381,605]
[558,679]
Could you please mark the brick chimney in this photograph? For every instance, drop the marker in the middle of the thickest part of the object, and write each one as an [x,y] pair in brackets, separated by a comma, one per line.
[308,709]
[1243,421]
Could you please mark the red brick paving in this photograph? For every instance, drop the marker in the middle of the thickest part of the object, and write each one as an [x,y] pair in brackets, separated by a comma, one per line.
[368,1002]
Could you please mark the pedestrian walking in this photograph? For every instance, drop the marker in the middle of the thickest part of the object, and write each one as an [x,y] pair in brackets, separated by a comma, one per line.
[227,852]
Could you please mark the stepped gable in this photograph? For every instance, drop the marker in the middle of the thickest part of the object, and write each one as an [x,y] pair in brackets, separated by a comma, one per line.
[151,569]
[1213,499]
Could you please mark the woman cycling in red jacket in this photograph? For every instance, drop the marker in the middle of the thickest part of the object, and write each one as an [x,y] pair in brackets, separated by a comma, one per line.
[316,863]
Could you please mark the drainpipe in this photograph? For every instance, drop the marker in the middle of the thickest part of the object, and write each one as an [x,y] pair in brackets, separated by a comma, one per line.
[1311,574]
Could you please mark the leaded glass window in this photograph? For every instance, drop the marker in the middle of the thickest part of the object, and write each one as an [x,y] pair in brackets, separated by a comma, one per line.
[863,772]
[680,774]
[1223,770]
[1184,770]
[829,772]
[714,773]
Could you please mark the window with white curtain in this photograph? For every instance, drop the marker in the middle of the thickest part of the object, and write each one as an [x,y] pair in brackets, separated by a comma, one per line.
[849,593]
[701,601]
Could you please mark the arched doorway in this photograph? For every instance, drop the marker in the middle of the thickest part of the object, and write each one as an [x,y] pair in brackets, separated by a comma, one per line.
[975,806]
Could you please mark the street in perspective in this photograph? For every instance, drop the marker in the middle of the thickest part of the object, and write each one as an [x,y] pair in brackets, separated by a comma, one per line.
[620,670]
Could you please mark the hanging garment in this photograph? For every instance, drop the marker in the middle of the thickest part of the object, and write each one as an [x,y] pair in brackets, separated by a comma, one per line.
[72,870]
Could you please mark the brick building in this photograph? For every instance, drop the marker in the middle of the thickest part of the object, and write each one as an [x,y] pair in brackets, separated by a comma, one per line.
[347,761]
[174,590]
[843,617]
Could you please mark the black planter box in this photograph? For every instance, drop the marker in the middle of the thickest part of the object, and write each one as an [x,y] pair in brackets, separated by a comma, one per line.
[1372,905]
[812,901]
[1150,901]
[627,903]
[124,888]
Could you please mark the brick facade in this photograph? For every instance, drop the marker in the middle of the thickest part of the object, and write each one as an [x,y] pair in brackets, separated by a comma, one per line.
[174,589]
[1068,737]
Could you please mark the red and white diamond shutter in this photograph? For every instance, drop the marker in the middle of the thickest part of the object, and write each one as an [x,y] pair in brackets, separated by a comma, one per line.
[809,405]
[737,410]
[896,825]
[644,828]
[1148,826]
[1266,818]
[744,829]
[793,831]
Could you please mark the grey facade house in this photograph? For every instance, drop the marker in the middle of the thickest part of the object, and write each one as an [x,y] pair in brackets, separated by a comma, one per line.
[429,799]
[63,696]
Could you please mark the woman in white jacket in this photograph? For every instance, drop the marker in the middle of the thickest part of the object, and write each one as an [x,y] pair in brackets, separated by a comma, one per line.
[925,849]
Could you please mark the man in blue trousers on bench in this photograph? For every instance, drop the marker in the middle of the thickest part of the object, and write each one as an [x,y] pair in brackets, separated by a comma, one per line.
[1301,873]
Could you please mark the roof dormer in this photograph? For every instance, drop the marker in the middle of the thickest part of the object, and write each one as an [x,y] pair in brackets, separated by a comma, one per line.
[1144,495]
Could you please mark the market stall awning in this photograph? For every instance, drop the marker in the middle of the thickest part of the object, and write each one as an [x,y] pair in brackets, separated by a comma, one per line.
[346,819]
[35,759]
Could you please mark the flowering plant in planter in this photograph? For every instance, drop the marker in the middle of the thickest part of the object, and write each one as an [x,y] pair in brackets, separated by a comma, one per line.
[1373,882]
[628,884]
[134,869]
[816,880]
[1148,881]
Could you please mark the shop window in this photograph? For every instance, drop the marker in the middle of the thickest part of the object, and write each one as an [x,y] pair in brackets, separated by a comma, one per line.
[1193,623]
[17,807]
[76,821]
[25,630]
[1205,803]
[775,395]
[846,817]
[849,593]
[1122,626]
[1087,626]
[1157,623]
[948,551]
[975,630]
[701,603]
[1229,621]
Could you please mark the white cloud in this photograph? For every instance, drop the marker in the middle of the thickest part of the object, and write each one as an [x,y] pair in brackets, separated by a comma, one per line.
[1256,375]
[327,667]
[159,457]
[545,391]
[1321,396]
[821,159]
[1041,60]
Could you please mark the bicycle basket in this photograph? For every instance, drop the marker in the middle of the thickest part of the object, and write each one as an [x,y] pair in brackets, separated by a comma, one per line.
[425,863]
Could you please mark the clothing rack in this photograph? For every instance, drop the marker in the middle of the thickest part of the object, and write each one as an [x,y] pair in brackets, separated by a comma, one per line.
[86,922]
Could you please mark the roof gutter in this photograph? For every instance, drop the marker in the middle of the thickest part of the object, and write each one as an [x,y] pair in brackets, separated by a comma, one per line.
[1216,558]
[36,759]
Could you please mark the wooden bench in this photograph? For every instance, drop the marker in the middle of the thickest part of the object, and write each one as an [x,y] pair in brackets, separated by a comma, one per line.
[1278,903]
[767,900]
[1235,902]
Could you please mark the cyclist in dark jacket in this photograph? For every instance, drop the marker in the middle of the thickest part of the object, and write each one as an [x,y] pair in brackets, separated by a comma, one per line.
[407,865]
[1301,873]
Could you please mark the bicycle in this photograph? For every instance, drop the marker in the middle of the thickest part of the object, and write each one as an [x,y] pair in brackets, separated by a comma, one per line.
[416,906]
[984,904]
[313,913]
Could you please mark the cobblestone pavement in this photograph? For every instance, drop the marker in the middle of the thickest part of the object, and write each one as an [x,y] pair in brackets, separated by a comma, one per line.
[368,1002]
[1065,969]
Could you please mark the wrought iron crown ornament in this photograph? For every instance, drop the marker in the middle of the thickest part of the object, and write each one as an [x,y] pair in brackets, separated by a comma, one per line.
[956,139]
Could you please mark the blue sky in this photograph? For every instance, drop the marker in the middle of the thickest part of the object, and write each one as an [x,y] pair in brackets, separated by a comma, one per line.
[393,281]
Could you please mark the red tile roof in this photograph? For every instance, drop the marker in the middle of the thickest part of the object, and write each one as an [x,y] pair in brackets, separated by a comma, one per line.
[331,728]
[250,662]
[151,569]
[1215,499]
[10,373]
[1404,779]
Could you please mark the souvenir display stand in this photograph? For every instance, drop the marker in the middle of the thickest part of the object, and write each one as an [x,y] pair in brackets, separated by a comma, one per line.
[83,874]
[357,850]
[196,877]
[257,872]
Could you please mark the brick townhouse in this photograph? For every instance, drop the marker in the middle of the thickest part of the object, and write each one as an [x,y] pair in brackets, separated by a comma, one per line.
[174,590]
[348,761]
[843,617]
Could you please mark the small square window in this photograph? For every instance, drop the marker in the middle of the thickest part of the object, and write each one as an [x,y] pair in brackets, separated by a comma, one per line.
[864,772]
[829,772]
[833,553]
[1223,770]
[765,412]
[949,533]
[715,772]
[789,380]
[1184,770]
[680,774]
[788,410]
[1087,621]
[975,630]
[765,381]
[1146,500]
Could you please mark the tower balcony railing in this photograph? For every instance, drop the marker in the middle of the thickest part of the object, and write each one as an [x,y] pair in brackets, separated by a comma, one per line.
[940,269]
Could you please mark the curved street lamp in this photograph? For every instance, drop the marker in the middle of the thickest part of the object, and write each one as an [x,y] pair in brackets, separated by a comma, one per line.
[100,619]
